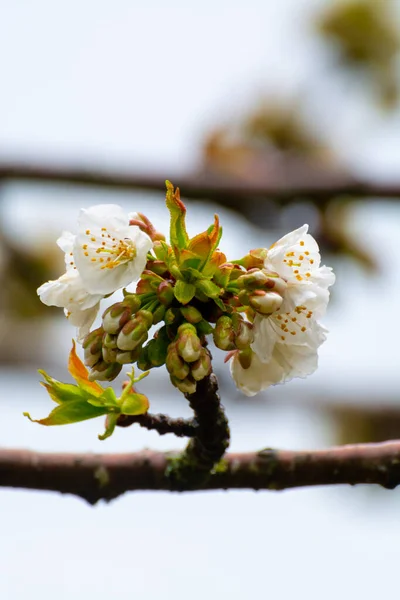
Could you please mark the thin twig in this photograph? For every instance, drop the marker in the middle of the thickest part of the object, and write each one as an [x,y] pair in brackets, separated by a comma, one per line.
[100,476]
[162,424]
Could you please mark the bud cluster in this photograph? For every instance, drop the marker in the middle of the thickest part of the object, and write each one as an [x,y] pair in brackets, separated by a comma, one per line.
[119,340]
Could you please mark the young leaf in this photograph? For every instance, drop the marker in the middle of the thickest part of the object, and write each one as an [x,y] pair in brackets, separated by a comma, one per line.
[80,373]
[178,234]
[184,292]
[73,411]
[208,288]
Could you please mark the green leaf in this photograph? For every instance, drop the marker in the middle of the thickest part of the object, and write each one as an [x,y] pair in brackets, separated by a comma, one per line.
[208,288]
[60,392]
[111,422]
[73,411]
[178,234]
[184,292]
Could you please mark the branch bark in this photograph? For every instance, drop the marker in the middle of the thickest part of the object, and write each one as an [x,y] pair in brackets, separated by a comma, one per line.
[100,476]
[222,190]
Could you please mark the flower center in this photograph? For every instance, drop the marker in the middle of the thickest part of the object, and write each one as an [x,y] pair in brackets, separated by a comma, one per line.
[108,250]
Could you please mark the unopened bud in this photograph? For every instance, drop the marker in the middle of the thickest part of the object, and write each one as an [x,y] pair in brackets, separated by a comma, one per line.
[224,334]
[189,345]
[103,371]
[109,354]
[253,279]
[132,300]
[191,314]
[158,314]
[172,316]
[110,341]
[157,351]
[245,357]
[245,335]
[165,293]
[133,334]
[175,364]
[92,345]
[265,302]
[115,317]
[125,358]
[186,386]
[202,367]
[143,361]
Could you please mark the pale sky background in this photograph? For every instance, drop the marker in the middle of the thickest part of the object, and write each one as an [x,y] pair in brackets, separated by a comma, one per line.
[138,85]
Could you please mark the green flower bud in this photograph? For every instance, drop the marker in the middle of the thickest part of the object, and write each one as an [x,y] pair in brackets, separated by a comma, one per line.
[245,357]
[132,300]
[103,371]
[109,354]
[157,350]
[202,367]
[188,343]
[186,386]
[143,361]
[224,334]
[265,302]
[133,334]
[158,314]
[165,293]
[115,317]
[110,341]
[125,358]
[191,314]
[252,280]
[175,364]
[172,316]
[92,345]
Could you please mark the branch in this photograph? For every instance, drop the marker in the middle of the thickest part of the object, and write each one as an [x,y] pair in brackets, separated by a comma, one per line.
[193,466]
[221,190]
[100,476]
[162,424]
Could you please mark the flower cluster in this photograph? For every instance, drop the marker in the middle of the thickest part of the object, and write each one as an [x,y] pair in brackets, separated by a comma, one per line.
[263,310]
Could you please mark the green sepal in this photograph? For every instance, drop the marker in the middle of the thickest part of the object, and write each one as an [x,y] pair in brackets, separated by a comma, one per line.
[204,328]
[184,292]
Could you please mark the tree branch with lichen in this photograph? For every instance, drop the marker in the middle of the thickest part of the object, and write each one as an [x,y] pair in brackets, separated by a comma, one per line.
[95,477]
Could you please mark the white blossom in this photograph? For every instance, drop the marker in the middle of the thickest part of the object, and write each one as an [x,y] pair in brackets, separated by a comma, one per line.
[286,342]
[68,292]
[296,259]
[108,252]
[286,362]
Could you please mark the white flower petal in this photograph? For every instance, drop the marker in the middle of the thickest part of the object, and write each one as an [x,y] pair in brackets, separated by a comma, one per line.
[109,254]
[296,361]
[264,338]
[82,319]
[259,376]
